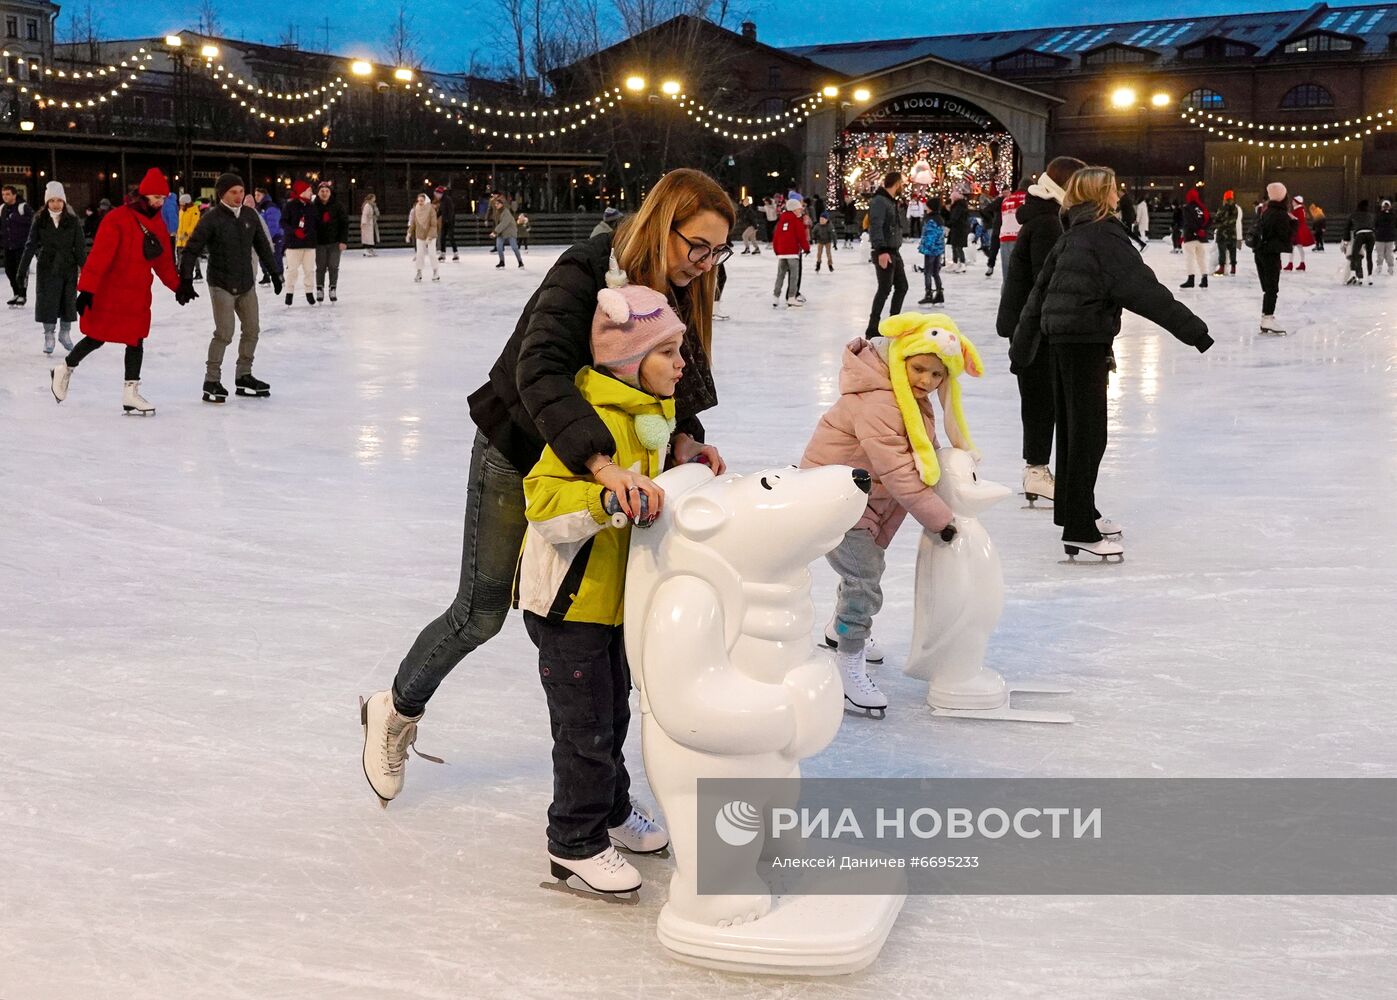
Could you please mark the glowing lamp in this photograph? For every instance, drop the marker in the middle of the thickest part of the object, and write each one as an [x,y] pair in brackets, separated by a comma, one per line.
[1123,97]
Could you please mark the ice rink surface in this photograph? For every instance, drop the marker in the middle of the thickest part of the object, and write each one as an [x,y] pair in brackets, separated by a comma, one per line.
[190,603]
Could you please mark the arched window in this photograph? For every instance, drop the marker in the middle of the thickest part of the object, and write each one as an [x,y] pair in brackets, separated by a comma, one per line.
[1308,95]
[1203,99]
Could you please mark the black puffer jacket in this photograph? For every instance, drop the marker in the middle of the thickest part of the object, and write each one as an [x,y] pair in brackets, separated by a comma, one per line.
[1092,274]
[331,222]
[1384,228]
[958,224]
[1275,230]
[530,398]
[231,241]
[1040,225]
[884,223]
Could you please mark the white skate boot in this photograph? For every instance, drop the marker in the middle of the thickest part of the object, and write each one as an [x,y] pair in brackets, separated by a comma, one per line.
[859,689]
[872,652]
[1038,483]
[387,737]
[1108,527]
[58,380]
[1107,549]
[606,872]
[133,402]
[1270,327]
[639,834]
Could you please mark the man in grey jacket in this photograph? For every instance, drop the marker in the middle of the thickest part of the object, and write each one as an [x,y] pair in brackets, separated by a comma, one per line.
[885,236]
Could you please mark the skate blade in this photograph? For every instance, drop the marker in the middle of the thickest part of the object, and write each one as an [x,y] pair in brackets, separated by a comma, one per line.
[1071,559]
[132,411]
[1033,501]
[860,712]
[622,897]
[208,398]
[663,852]
[255,393]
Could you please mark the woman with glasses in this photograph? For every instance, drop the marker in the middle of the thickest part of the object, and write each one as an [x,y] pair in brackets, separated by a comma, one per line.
[674,244]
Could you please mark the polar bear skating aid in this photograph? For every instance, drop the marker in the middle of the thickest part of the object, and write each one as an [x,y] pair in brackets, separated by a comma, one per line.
[958,600]
[718,635]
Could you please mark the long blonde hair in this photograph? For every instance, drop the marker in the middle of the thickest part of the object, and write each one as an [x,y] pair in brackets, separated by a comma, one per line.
[641,242]
[1091,186]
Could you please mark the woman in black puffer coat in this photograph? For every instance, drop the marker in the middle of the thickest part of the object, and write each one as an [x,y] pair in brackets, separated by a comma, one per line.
[1092,274]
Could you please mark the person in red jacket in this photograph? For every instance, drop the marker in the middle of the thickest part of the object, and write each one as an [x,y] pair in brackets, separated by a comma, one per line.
[1302,236]
[114,287]
[789,240]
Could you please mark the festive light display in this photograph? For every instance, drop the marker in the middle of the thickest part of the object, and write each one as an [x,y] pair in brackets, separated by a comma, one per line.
[338,86]
[131,68]
[969,160]
[457,109]
[223,74]
[802,110]
[1194,115]
[1380,121]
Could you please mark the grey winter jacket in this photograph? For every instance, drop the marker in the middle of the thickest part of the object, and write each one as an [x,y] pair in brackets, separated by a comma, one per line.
[505,226]
[884,223]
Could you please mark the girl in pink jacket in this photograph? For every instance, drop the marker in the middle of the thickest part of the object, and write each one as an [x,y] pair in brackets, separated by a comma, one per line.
[883,422]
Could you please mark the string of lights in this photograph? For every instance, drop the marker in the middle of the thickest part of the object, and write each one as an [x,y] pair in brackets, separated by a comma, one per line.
[802,110]
[1315,143]
[131,68]
[715,122]
[338,86]
[593,107]
[606,97]
[1219,120]
[221,74]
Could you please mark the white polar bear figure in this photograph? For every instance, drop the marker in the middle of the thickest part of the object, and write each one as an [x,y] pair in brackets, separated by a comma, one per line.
[959,598]
[718,635]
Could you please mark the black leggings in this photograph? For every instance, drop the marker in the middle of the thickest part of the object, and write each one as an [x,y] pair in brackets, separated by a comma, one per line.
[135,353]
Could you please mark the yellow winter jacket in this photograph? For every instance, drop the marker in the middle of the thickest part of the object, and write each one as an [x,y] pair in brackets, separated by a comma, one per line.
[573,564]
[188,219]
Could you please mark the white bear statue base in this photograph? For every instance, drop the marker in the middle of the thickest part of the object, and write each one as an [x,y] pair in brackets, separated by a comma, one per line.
[959,598]
[718,625]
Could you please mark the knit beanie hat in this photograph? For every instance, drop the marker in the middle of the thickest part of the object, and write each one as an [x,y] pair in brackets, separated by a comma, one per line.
[185,198]
[911,334]
[630,322]
[611,214]
[1275,191]
[154,183]
[792,198]
[225,182]
[54,190]
[299,189]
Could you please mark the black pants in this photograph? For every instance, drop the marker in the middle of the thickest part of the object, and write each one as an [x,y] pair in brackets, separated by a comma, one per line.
[17,280]
[1135,235]
[1362,245]
[1079,393]
[957,253]
[891,278]
[1268,269]
[447,235]
[1318,229]
[1037,408]
[587,684]
[135,354]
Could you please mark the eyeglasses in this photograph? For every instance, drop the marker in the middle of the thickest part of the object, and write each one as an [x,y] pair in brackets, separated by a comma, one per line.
[700,252]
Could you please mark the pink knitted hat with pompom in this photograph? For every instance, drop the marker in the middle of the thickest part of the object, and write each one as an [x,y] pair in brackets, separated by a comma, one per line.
[630,322]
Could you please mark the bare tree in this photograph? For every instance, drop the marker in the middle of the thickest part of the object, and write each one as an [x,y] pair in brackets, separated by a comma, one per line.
[210,22]
[84,29]
[403,41]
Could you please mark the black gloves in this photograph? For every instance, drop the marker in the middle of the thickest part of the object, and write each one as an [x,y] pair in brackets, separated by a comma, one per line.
[84,302]
[186,293]
[277,284]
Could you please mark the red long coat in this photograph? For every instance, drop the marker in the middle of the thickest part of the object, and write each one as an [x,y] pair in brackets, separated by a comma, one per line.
[119,277]
[1303,236]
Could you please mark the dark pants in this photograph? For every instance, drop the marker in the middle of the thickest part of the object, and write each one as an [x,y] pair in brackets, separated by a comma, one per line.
[1227,251]
[587,683]
[1318,229]
[446,234]
[931,272]
[1362,246]
[327,261]
[17,280]
[1268,269]
[135,354]
[891,278]
[993,251]
[1037,408]
[1080,410]
[494,532]
[957,253]
[1135,235]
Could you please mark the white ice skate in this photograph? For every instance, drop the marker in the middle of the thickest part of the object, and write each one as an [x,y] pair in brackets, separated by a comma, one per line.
[859,689]
[1270,327]
[387,737]
[1106,549]
[58,381]
[606,872]
[1038,484]
[1108,527]
[133,402]
[872,652]
[639,834]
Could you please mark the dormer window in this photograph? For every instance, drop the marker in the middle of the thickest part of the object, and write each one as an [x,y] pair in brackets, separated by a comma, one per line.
[1320,41]
[1216,48]
[1112,55]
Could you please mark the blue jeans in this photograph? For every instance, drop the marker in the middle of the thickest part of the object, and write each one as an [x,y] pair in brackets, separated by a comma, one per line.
[494,532]
[859,562]
[500,242]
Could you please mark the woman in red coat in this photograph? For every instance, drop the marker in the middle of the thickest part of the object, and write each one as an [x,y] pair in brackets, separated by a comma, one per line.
[114,288]
[1303,237]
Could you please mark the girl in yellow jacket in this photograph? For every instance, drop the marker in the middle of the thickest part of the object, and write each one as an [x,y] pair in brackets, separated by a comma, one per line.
[189,216]
[572,575]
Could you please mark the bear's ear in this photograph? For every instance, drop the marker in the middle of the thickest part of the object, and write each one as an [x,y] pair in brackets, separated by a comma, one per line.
[974,367]
[699,516]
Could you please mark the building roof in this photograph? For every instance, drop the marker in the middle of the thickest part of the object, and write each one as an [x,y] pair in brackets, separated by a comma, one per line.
[1264,31]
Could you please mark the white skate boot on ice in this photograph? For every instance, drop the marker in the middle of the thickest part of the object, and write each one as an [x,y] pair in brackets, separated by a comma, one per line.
[872,652]
[58,380]
[1037,484]
[639,834]
[607,873]
[133,402]
[859,690]
[1271,328]
[1106,549]
[387,737]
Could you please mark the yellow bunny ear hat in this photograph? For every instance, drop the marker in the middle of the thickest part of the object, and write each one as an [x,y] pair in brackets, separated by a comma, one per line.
[911,334]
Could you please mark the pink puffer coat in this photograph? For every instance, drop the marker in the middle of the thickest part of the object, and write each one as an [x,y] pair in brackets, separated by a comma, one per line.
[864,429]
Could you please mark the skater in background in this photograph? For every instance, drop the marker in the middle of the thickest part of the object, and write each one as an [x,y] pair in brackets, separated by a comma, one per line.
[957,229]
[823,237]
[1358,242]
[916,212]
[1385,233]
[1142,218]
[1009,225]
[991,212]
[113,302]
[884,422]
[571,597]
[57,241]
[747,222]
[885,241]
[331,239]
[169,214]
[1130,218]
[368,225]
[1226,224]
[446,224]
[235,236]
[1317,225]
[1091,275]
[788,242]
[94,219]
[609,219]
[1040,226]
[1196,221]
[672,244]
[16,220]
[422,224]
[271,218]
[522,222]
[1268,241]
[298,221]
[932,247]
[189,216]
[1176,226]
[1303,237]
[505,231]
[771,211]
[250,204]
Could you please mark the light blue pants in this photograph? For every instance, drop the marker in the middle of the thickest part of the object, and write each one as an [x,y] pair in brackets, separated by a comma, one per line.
[859,562]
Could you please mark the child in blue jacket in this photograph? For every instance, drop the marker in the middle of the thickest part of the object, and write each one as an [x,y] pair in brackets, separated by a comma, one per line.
[933,251]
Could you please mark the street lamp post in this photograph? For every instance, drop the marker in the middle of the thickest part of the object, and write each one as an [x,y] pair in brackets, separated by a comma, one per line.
[1127,99]
[184,125]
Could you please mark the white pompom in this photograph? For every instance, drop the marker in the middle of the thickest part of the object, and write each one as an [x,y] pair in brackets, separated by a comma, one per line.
[614,304]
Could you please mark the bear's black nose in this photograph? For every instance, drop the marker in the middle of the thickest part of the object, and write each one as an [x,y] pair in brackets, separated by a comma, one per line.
[863,480]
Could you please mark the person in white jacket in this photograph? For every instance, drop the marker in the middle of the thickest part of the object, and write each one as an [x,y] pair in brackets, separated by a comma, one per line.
[422,230]
[368,225]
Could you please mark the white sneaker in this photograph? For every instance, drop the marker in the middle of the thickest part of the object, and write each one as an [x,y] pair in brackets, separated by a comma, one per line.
[872,652]
[859,689]
[1038,483]
[605,872]
[132,401]
[776,302]
[1108,527]
[387,737]
[58,380]
[1106,549]
[639,834]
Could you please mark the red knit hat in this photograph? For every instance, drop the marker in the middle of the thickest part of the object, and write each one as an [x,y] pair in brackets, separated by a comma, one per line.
[299,188]
[154,183]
